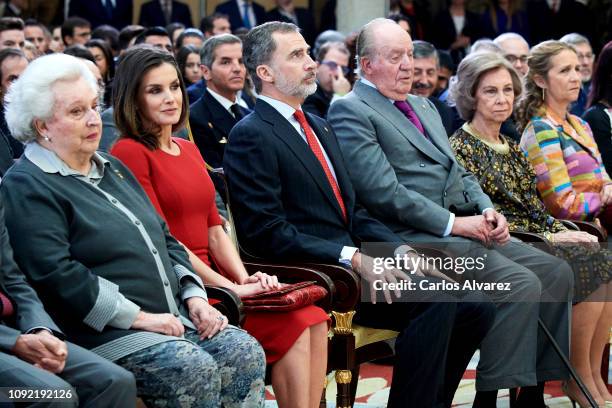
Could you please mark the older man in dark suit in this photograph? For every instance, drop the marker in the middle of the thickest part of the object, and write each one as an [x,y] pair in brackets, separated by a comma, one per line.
[213,115]
[33,353]
[293,200]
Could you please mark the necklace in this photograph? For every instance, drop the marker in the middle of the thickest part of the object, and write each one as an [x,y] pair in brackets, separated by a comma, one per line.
[502,148]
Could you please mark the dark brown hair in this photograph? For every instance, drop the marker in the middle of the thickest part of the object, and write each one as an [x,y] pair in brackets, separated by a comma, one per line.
[134,65]
[601,86]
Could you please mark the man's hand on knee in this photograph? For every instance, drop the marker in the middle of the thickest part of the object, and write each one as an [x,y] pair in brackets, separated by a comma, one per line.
[42,349]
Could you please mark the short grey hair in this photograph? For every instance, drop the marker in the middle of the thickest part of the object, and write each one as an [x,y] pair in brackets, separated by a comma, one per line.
[471,69]
[331,45]
[365,39]
[258,46]
[575,39]
[424,49]
[486,44]
[509,36]
[207,52]
[31,96]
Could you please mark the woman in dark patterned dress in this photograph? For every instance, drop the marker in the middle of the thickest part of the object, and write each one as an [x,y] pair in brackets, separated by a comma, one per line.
[484,90]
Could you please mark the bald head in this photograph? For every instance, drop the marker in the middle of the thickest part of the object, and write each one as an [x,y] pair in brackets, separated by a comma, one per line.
[515,49]
[372,35]
[385,54]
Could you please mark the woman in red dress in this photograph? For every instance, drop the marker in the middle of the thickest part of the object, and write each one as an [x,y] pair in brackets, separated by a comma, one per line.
[150,103]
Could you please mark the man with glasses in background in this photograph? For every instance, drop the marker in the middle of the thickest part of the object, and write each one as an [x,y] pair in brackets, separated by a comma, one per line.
[332,68]
[515,49]
[586,59]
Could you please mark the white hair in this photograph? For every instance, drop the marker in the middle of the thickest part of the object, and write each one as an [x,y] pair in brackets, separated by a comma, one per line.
[500,39]
[31,96]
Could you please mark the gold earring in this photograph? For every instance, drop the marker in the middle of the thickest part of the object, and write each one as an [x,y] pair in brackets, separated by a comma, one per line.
[543,94]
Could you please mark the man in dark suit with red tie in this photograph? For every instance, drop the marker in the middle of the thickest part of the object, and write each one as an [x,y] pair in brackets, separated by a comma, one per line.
[293,200]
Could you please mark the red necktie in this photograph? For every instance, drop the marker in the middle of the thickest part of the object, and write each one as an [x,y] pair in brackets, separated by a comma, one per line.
[7,306]
[316,149]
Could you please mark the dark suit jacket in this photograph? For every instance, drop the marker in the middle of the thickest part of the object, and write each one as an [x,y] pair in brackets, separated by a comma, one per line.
[449,119]
[444,33]
[601,125]
[29,311]
[6,153]
[230,8]
[283,205]
[318,102]
[210,125]
[95,12]
[546,25]
[15,145]
[305,21]
[151,14]
[195,91]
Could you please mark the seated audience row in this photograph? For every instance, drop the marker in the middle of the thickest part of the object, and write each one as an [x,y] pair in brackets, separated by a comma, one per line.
[315,171]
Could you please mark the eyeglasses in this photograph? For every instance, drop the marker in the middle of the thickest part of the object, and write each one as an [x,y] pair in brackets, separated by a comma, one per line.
[334,66]
[513,58]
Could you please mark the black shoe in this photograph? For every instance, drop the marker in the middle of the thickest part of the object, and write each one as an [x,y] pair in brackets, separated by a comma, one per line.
[485,399]
[530,397]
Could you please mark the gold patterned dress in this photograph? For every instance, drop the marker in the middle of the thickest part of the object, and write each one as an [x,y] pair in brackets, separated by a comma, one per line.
[508,179]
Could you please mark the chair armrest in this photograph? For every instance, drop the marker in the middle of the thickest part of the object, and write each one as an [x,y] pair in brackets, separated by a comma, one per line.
[533,238]
[293,274]
[586,226]
[230,304]
[346,282]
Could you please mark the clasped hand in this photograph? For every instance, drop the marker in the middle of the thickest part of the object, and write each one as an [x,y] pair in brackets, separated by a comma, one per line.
[387,275]
[42,349]
[489,228]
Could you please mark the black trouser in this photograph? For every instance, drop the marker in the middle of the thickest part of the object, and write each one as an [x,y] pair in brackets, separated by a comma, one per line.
[435,345]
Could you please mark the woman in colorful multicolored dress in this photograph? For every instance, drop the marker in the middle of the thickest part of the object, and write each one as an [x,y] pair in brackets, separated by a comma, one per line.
[484,91]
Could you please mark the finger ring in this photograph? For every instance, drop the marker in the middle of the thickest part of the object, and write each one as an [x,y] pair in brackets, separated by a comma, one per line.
[221,318]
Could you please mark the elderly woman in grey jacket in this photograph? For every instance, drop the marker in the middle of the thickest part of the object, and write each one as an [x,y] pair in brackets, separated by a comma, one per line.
[103,262]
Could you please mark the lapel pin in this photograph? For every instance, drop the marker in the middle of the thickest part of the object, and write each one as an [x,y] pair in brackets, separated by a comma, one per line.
[223,140]
[119,174]
[210,125]
[325,129]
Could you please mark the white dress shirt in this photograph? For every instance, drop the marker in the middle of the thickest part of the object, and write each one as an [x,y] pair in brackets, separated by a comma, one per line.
[226,103]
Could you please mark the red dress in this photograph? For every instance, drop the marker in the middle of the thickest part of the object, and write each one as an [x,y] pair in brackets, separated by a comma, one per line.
[183,194]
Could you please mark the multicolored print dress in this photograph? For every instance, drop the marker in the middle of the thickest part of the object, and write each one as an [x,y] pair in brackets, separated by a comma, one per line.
[569,170]
[507,178]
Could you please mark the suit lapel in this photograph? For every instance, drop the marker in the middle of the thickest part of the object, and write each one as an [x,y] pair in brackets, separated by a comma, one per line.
[283,130]
[424,113]
[385,109]
[220,117]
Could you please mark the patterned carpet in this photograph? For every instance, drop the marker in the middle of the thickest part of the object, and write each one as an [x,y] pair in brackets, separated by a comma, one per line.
[374,381]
